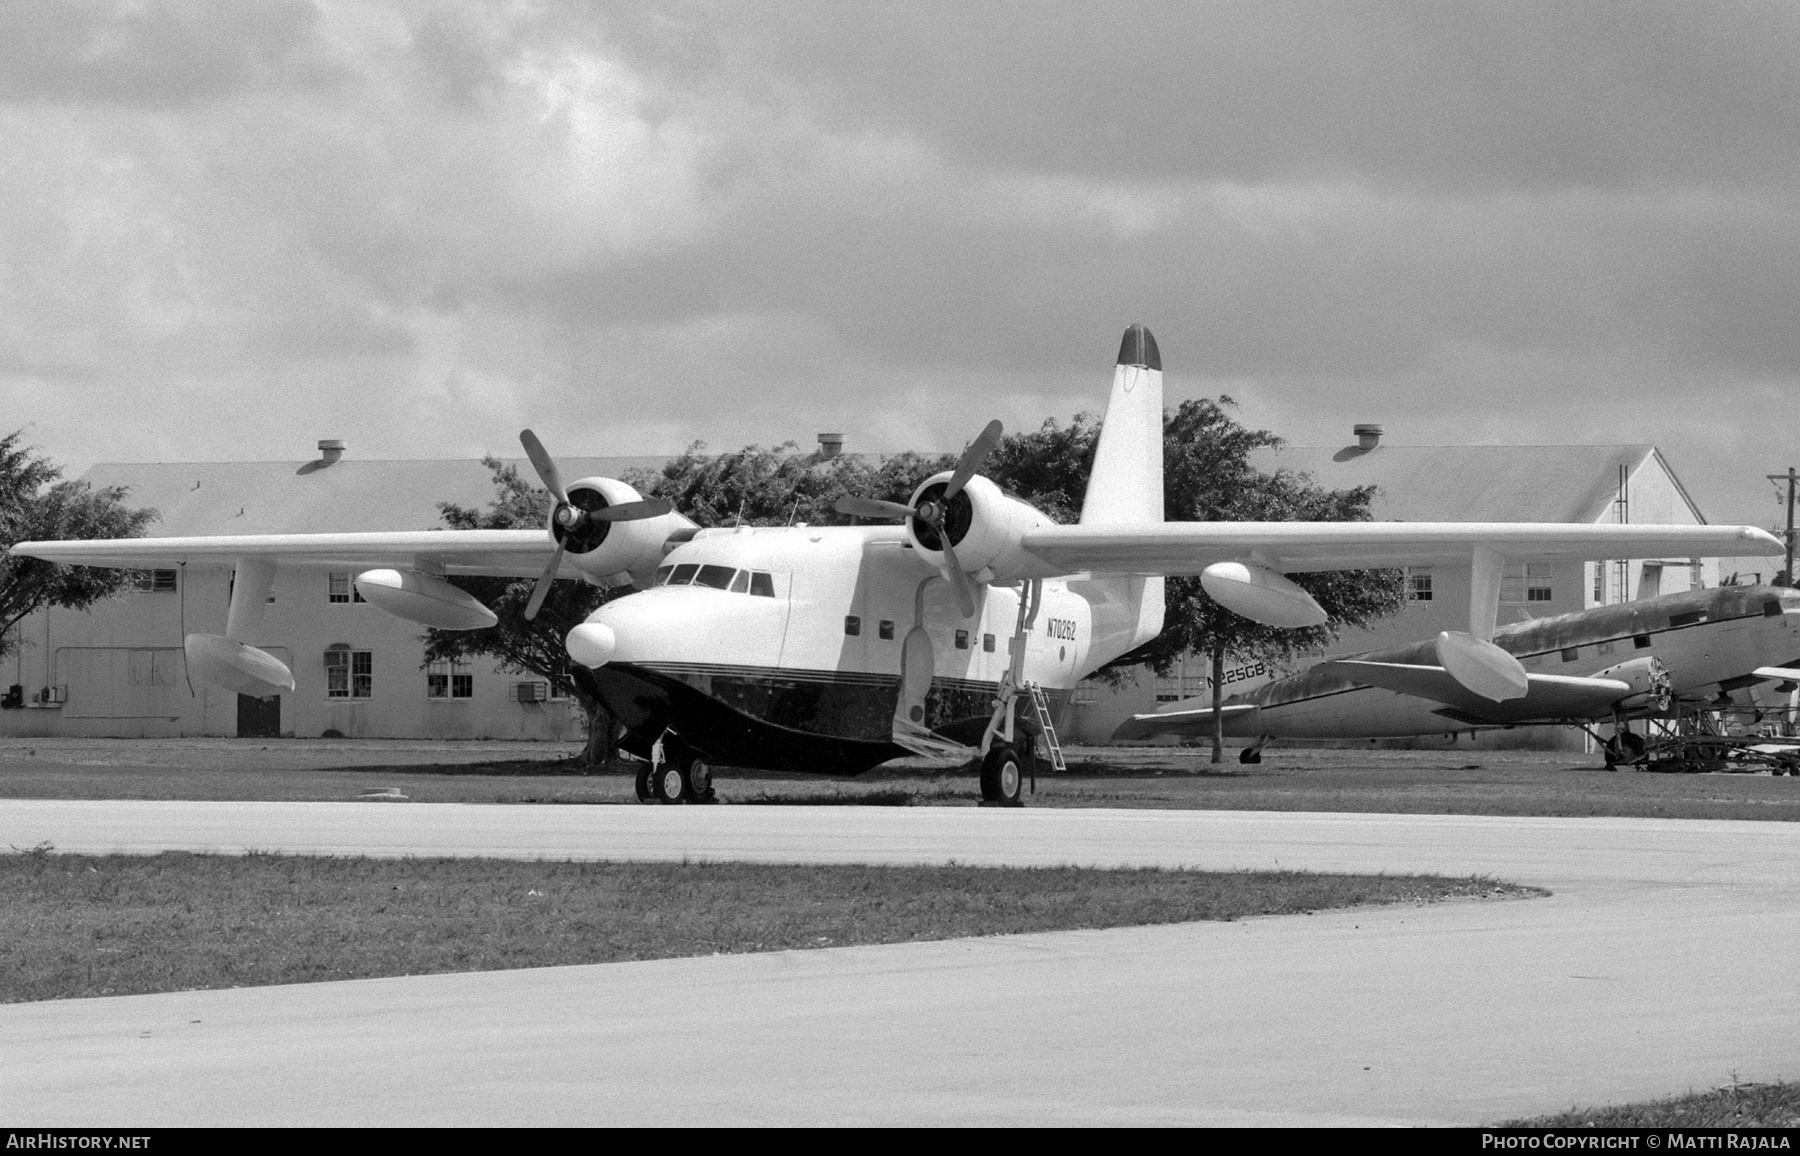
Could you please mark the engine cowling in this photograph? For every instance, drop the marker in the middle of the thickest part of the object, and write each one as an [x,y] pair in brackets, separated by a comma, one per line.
[984,524]
[612,553]
[1650,682]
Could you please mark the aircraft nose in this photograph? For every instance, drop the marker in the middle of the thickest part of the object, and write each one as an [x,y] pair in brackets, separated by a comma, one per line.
[592,644]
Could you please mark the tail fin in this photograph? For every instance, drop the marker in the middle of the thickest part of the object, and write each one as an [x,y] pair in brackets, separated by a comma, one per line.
[1126,485]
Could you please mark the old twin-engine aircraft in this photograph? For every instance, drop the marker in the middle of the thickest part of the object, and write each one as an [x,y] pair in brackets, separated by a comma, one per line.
[951,632]
[1610,663]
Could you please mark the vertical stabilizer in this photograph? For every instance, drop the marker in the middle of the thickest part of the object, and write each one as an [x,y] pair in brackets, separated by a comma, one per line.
[1126,485]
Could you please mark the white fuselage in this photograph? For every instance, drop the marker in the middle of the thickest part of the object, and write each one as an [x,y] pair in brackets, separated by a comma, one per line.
[844,599]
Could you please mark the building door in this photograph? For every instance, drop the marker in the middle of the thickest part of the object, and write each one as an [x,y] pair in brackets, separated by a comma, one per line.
[259,718]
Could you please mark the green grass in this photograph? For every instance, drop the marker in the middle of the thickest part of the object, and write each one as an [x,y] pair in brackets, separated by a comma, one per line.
[75,925]
[1736,1105]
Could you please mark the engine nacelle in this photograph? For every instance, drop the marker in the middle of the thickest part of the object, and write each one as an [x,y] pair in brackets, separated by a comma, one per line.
[1261,595]
[424,599]
[608,551]
[1651,685]
[984,525]
[234,666]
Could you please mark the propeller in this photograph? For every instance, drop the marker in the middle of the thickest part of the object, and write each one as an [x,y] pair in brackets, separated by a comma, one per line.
[570,519]
[932,510]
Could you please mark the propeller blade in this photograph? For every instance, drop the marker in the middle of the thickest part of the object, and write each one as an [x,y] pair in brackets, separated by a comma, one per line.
[542,588]
[872,508]
[545,465]
[632,511]
[965,594]
[972,458]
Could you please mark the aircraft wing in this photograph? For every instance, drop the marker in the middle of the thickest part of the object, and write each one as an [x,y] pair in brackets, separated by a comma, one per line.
[1195,722]
[499,553]
[1294,547]
[1549,696]
[1784,673]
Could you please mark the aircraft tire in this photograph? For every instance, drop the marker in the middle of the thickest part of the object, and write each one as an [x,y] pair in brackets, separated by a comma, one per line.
[1002,776]
[646,791]
[672,783]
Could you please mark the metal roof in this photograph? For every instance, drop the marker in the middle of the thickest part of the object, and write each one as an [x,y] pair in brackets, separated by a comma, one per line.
[1477,483]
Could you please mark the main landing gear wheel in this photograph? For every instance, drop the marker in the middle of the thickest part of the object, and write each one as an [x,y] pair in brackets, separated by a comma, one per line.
[1002,775]
[700,784]
[671,782]
[646,791]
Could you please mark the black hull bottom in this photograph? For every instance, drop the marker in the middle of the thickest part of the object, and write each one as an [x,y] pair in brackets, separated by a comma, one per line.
[648,702]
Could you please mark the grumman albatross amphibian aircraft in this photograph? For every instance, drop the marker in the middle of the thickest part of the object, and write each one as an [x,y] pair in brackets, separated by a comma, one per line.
[835,649]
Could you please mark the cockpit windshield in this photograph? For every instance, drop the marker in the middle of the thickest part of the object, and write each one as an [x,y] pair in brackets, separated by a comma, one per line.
[759,583]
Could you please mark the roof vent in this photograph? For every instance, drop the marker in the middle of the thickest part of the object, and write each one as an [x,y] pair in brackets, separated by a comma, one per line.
[330,450]
[831,445]
[1367,436]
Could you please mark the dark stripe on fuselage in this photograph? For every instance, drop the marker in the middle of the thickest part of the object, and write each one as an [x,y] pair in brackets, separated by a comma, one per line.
[802,720]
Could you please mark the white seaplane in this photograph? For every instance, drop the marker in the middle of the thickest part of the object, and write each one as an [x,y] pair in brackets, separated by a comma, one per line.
[959,631]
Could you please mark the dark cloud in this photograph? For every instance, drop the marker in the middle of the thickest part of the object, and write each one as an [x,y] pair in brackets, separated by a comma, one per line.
[164,52]
[1425,94]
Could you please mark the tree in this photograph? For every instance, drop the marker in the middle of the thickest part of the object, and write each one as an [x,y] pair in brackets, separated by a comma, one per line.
[777,487]
[1208,477]
[522,647]
[35,506]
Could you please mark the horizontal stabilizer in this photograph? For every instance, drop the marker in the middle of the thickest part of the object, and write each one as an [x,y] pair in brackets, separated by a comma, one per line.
[1548,695]
[1784,673]
[1193,723]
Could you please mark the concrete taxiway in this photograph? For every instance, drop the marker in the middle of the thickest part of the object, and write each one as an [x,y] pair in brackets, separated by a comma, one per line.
[1662,962]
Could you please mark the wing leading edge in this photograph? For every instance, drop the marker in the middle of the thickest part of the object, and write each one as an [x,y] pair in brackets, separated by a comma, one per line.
[496,553]
[1296,547]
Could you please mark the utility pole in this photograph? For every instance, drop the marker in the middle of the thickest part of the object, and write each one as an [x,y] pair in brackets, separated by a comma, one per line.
[1791,477]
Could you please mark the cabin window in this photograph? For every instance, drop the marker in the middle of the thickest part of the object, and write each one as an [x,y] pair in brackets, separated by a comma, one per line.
[684,574]
[662,575]
[962,640]
[339,588]
[1772,609]
[886,629]
[160,581]
[852,624]
[1571,653]
[741,584]
[349,673]
[1418,585]
[1525,582]
[718,577]
[762,584]
[1641,641]
[449,680]
[1687,619]
[987,643]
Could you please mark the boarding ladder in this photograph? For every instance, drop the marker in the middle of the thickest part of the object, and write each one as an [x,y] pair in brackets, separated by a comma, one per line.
[1041,706]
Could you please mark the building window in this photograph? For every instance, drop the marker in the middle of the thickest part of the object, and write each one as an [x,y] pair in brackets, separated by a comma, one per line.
[1418,585]
[1525,582]
[449,680]
[339,588]
[349,673]
[160,581]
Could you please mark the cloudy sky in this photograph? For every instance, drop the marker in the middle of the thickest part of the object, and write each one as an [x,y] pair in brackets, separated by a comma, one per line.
[231,228]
